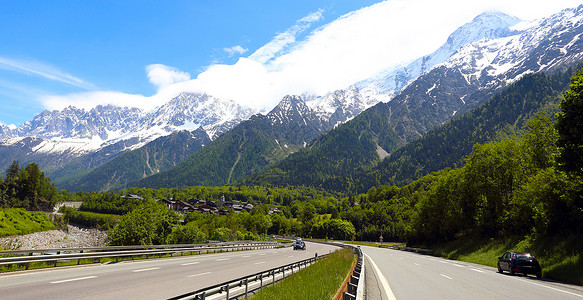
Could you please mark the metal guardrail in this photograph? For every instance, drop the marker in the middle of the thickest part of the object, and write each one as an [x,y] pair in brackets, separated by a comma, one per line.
[125,251]
[410,249]
[355,284]
[248,284]
[133,247]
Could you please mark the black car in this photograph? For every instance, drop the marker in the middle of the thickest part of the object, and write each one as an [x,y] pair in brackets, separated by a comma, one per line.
[299,245]
[516,262]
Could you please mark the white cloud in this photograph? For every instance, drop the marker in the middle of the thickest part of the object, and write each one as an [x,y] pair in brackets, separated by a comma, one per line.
[43,70]
[284,39]
[235,50]
[163,76]
[349,49]
[92,99]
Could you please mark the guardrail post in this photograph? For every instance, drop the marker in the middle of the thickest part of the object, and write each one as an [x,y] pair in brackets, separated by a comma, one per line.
[261,280]
[246,287]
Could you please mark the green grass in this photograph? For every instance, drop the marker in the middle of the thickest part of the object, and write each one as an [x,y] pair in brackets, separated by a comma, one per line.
[560,258]
[376,244]
[18,221]
[319,281]
[90,219]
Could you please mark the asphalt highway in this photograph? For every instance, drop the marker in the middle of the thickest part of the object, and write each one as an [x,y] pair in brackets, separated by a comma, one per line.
[394,274]
[148,279]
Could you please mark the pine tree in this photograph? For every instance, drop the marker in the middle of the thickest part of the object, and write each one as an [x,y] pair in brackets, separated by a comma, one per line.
[570,127]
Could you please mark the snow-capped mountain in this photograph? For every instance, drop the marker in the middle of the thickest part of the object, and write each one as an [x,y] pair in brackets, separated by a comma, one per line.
[543,46]
[385,85]
[72,132]
[190,111]
[340,106]
[479,70]
[292,120]
[102,122]
[104,125]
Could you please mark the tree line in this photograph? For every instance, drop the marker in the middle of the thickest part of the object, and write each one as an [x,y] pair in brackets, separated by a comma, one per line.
[27,187]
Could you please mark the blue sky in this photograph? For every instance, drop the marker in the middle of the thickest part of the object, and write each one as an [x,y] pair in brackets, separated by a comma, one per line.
[140,53]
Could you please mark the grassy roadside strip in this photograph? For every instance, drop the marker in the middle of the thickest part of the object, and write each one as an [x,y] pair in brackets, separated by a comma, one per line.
[18,221]
[375,244]
[319,281]
[561,258]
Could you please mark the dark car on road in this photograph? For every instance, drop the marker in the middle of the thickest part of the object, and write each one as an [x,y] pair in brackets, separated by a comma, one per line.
[516,262]
[299,245]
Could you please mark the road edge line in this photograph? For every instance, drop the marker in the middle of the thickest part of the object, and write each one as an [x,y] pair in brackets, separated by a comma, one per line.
[382,279]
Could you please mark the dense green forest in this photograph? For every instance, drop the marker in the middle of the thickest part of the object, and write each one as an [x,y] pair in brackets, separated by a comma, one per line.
[346,159]
[28,188]
[504,115]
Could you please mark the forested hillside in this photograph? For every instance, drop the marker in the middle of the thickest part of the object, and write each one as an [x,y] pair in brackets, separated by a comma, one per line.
[158,155]
[346,158]
[445,147]
[330,160]
[246,149]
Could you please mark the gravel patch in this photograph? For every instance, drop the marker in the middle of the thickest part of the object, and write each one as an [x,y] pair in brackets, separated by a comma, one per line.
[76,237]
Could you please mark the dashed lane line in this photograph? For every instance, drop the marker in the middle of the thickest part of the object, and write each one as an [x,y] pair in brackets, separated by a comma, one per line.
[74,279]
[205,273]
[144,270]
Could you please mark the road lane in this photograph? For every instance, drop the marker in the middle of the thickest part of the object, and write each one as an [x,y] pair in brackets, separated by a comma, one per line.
[151,279]
[415,276]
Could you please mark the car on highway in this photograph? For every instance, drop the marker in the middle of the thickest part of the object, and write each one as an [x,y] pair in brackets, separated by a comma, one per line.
[299,244]
[517,262]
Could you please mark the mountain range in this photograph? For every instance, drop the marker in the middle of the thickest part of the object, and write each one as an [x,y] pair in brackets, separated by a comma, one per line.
[227,142]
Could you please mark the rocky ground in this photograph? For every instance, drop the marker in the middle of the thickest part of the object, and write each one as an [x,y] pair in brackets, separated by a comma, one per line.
[76,237]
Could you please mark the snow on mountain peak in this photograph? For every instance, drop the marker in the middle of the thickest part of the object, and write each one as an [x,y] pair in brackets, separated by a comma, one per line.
[385,85]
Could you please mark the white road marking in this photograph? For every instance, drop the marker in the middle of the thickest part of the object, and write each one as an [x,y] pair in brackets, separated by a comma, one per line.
[261,262]
[199,274]
[223,259]
[190,263]
[262,254]
[245,256]
[416,264]
[446,276]
[476,270]
[383,280]
[74,279]
[458,265]
[290,256]
[143,270]
[552,288]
